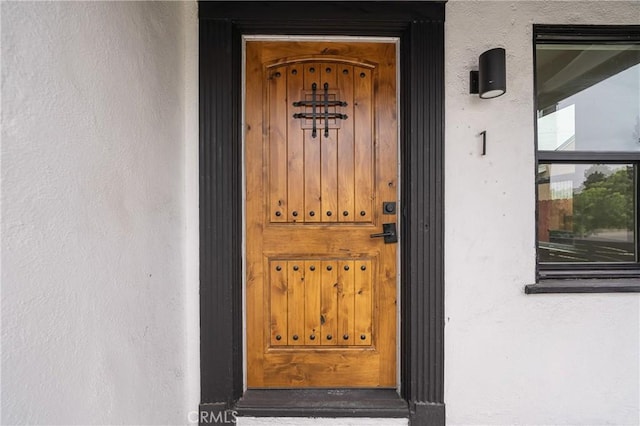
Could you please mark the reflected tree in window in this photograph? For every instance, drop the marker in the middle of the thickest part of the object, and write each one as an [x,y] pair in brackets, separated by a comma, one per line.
[605,202]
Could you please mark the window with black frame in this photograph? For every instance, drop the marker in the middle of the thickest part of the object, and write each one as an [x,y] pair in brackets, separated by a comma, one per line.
[588,151]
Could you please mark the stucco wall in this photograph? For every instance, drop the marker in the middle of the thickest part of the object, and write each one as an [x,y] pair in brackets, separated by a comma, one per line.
[99,213]
[512,358]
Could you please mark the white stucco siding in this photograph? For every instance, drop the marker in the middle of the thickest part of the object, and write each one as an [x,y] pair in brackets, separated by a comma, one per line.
[513,358]
[96,225]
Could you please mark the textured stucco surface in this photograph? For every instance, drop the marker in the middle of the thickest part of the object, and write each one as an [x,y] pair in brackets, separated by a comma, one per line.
[513,359]
[98,314]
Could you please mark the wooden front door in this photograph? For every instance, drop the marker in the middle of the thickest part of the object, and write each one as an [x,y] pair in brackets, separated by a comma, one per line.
[321,178]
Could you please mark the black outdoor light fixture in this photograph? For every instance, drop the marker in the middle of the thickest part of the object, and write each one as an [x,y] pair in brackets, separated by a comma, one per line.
[490,81]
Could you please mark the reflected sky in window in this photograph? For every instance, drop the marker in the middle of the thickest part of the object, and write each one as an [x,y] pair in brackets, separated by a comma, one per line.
[589,98]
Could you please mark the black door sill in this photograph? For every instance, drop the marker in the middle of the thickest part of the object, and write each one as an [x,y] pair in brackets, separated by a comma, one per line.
[383,403]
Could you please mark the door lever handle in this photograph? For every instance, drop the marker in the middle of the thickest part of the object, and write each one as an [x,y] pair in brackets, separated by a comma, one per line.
[389,233]
[383,234]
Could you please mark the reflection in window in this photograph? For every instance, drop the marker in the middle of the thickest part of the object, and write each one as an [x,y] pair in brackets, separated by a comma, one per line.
[586,212]
[557,130]
[588,97]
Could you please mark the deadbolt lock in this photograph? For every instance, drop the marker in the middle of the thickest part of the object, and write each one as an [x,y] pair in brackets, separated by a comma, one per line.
[389,207]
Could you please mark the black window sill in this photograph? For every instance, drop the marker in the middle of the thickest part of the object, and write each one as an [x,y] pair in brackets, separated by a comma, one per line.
[585,285]
[381,403]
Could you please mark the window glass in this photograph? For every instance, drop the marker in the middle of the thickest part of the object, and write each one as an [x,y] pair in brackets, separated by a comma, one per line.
[588,97]
[587,213]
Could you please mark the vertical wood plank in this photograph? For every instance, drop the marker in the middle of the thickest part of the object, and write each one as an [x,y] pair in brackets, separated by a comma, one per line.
[258,278]
[277,146]
[278,302]
[329,155]
[312,284]
[346,160]
[295,146]
[312,191]
[386,151]
[363,302]
[329,177]
[295,302]
[364,144]
[329,303]
[346,306]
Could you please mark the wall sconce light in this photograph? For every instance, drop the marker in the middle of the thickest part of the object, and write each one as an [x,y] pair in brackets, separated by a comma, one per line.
[490,81]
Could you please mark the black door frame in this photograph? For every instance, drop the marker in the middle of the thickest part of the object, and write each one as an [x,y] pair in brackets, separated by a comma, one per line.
[420,27]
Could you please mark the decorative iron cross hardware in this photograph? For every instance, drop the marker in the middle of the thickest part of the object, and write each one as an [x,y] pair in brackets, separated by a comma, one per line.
[313,103]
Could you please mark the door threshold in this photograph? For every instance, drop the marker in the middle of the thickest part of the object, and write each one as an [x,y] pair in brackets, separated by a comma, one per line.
[382,403]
